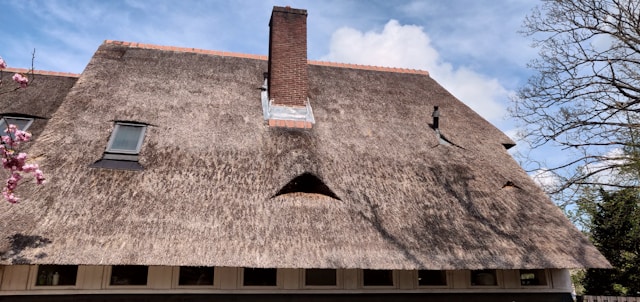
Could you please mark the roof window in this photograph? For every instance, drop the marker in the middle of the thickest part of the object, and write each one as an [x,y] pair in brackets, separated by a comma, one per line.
[126,138]
[123,147]
[22,123]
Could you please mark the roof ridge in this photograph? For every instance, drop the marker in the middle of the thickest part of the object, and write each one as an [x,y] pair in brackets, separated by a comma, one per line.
[42,72]
[187,49]
[368,67]
[262,57]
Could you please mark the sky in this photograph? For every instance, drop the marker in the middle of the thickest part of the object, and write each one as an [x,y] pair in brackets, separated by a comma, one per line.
[470,47]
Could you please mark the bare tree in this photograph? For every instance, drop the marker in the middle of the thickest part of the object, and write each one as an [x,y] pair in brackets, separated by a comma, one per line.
[585,94]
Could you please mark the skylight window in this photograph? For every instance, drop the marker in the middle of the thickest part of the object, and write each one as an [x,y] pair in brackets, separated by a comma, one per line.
[123,148]
[22,123]
[126,138]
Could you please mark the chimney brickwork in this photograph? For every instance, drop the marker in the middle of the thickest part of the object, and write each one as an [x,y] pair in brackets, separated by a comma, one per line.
[288,78]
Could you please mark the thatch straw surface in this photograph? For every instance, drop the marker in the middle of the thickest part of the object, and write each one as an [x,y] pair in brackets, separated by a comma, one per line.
[212,167]
[40,100]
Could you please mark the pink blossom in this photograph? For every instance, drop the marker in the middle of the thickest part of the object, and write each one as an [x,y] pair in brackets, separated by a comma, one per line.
[3,64]
[6,139]
[39,176]
[29,168]
[20,79]
[9,196]
[22,136]
[11,129]
[16,162]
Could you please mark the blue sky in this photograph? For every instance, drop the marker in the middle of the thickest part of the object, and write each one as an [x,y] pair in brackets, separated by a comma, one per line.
[470,47]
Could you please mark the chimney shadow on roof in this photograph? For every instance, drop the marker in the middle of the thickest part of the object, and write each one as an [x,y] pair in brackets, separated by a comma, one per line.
[307,183]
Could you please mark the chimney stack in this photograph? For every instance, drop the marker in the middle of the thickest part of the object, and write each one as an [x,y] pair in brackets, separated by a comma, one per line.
[285,100]
[288,79]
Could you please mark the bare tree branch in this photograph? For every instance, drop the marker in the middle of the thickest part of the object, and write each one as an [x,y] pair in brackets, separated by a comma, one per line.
[584,97]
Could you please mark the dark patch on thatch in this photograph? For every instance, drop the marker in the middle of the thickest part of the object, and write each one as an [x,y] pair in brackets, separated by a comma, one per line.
[212,166]
[20,243]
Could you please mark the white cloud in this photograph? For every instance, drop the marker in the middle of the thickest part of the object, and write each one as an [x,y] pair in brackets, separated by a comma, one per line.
[546,179]
[409,46]
[602,171]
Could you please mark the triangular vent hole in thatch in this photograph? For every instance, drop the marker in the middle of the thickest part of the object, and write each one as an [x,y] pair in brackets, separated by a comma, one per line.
[307,183]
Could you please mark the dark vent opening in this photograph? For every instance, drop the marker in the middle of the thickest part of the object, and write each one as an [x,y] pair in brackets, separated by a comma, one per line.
[307,183]
[510,184]
[508,146]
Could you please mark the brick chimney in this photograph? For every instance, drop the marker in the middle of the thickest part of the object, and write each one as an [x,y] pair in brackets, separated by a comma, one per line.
[287,82]
[288,56]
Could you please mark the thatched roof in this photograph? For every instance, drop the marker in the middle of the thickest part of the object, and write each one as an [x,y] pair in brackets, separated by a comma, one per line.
[45,93]
[213,168]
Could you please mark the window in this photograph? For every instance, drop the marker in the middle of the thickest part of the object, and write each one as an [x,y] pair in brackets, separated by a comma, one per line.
[320,277]
[533,277]
[432,278]
[260,277]
[377,277]
[195,275]
[129,275]
[486,277]
[126,138]
[56,275]
[123,147]
[22,123]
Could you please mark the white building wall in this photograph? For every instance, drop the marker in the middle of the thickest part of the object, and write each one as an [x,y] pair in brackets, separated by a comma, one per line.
[21,279]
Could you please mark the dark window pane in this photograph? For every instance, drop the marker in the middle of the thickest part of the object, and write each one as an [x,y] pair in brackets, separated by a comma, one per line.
[52,275]
[533,277]
[486,277]
[320,277]
[129,275]
[377,277]
[432,278]
[198,275]
[260,277]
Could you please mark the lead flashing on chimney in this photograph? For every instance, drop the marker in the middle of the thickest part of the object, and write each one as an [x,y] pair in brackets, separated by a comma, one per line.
[285,116]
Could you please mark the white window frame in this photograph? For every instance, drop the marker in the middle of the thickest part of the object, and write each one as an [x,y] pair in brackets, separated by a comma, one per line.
[124,151]
[6,123]
[33,278]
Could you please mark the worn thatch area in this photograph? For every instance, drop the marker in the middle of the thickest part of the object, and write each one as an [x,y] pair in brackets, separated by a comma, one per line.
[212,167]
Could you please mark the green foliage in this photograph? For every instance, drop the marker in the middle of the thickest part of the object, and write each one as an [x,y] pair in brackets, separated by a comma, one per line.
[615,231]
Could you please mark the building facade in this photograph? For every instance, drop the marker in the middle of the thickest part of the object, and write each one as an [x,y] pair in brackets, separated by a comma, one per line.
[181,174]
